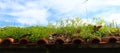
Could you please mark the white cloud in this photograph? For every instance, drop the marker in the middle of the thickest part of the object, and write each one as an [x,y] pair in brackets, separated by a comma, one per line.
[28,14]
[113,17]
[95,5]
[108,9]
[34,12]
[10,4]
[32,16]
[68,8]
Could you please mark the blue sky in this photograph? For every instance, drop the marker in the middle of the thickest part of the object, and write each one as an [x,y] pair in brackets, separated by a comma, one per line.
[39,12]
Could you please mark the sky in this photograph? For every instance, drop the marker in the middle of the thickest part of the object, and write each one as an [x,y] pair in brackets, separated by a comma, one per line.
[39,12]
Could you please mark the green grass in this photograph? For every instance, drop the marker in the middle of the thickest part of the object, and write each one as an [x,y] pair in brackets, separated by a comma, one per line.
[75,26]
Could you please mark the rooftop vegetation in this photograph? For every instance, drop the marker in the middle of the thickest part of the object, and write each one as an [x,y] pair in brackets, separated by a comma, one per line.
[71,27]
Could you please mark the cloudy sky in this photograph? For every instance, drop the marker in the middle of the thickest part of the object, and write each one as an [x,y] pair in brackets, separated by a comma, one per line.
[39,12]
